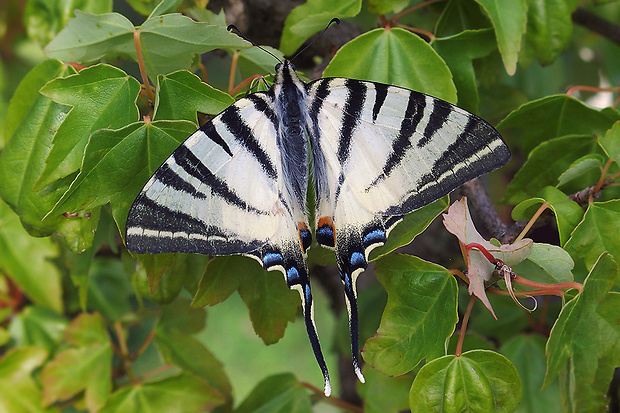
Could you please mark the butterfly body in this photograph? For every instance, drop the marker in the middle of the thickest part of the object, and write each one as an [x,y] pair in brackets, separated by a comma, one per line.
[238,185]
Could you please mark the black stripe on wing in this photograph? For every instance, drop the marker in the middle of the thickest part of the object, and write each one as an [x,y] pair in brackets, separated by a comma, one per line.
[186,159]
[169,178]
[154,228]
[243,134]
[478,149]
[352,111]
[437,119]
[413,114]
[212,133]
[381,93]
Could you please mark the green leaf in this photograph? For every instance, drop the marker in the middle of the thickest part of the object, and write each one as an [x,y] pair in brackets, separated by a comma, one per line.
[277,394]
[38,326]
[411,226]
[192,356]
[181,94]
[206,15]
[178,315]
[20,393]
[567,213]
[419,316]
[117,164]
[146,7]
[169,42]
[312,17]
[254,60]
[26,261]
[272,305]
[545,164]
[387,6]
[160,278]
[585,341]
[165,7]
[509,19]
[86,366]
[458,52]
[382,393]
[395,57]
[546,264]
[549,30]
[184,393]
[459,16]
[44,19]
[101,96]
[597,233]
[477,381]
[108,289]
[527,353]
[88,37]
[217,284]
[34,119]
[555,116]
[610,142]
[581,166]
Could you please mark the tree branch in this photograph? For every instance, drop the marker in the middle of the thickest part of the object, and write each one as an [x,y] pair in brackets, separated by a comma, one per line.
[597,24]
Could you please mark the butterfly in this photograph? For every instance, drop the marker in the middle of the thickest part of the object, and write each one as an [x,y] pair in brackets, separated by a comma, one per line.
[372,152]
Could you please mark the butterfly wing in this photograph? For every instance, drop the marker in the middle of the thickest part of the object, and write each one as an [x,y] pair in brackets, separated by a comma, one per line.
[380,152]
[224,191]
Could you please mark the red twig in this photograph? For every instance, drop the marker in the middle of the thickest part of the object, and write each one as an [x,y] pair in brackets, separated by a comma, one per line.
[459,344]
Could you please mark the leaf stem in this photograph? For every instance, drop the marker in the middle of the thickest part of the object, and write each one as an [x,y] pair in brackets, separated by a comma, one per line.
[144,345]
[161,369]
[459,344]
[233,73]
[124,352]
[543,286]
[586,88]
[243,84]
[145,78]
[459,274]
[532,221]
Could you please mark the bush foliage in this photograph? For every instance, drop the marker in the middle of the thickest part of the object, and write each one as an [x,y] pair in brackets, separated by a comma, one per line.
[101,93]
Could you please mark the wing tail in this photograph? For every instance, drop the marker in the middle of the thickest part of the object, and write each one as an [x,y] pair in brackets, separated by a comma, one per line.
[352,248]
[350,295]
[292,263]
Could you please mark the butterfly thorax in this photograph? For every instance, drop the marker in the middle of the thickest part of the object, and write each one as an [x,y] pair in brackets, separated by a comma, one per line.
[290,101]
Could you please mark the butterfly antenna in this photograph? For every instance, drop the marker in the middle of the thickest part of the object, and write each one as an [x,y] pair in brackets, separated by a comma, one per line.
[234,28]
[334,20]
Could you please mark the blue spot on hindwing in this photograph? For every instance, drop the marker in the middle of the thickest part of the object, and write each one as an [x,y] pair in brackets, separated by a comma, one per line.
[373,237]
[292,276]
[357,260]
[272,258]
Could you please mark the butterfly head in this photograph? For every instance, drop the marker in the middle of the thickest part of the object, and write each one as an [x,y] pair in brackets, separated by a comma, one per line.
[285,75]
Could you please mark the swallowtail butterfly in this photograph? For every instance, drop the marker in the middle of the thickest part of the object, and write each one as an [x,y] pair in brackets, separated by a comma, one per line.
[238,185]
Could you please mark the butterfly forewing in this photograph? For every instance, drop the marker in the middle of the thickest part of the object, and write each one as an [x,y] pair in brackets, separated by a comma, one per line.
[218,193]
